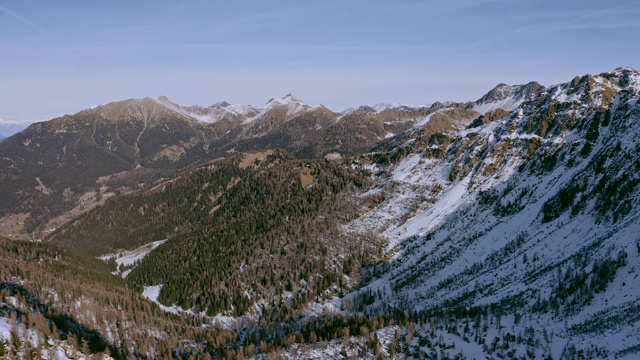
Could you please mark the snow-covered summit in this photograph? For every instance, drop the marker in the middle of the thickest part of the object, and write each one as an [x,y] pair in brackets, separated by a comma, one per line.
[286,100]
[292,104]
[594,91]
[507,97]
[210,114]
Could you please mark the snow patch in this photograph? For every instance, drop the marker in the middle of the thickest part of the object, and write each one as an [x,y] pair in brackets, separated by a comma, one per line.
[132,257]
[435,215]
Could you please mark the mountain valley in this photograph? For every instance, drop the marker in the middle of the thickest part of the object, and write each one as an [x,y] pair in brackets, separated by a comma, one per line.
[505,227]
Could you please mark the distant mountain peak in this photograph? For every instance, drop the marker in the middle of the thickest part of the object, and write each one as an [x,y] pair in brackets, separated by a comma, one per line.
[221,104]
[507,97]
[293,104]
[364,109]
[288,100]
[624,69]
[395,106]
[379,107]
[503,91]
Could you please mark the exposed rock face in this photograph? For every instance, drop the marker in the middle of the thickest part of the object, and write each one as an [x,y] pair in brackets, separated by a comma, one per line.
[489,116]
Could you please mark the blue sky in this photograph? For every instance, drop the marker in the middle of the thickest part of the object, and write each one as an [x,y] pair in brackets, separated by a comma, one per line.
[60,57]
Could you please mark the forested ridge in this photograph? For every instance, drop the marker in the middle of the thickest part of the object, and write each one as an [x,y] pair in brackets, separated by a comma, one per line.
[171,207]
[239,234]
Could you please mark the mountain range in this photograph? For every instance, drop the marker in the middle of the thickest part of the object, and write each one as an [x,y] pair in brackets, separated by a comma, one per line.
[52,167]
[504,227]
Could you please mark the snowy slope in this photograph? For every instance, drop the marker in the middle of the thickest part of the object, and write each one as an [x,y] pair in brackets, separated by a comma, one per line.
[518,215]
[129,259]
[18,340]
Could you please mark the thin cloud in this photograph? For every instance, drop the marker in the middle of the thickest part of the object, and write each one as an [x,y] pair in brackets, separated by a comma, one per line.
[562,21]
[32,25]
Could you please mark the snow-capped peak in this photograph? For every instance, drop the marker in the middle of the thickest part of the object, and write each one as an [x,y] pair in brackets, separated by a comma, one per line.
[221,104]
[287,100]
[507,97]
[383,106]
[594,91]
[623,69]
[211,114]
[294,107]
